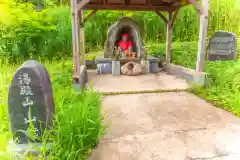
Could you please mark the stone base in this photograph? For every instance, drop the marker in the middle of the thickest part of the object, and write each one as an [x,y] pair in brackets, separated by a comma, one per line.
[154,67]
[116,68]
[104,65]
[21,151]
[104,68]
[191,75]
[145,66]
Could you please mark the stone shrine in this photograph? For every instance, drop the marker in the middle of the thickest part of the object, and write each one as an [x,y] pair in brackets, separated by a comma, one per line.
[125,25]
[124,38]
[30,101]
[222,46]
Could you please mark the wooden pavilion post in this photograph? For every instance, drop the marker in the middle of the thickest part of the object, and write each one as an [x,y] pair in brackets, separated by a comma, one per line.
[169,38]
[202,36]
[76,65]
[82,37]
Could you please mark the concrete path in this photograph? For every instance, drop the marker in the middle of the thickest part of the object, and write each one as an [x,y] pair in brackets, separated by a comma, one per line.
[162,126]
[112,84]
[166,126]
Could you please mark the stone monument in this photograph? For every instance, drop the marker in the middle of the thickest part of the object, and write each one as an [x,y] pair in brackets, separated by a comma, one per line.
[30,102]
[222,46]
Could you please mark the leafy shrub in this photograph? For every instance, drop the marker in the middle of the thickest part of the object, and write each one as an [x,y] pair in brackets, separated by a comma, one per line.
[44,35]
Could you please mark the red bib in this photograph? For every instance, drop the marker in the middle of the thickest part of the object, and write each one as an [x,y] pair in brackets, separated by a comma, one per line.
[125,45]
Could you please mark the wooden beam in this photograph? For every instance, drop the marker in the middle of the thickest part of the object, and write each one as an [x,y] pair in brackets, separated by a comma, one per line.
[90,15]
[127,8]
[76,65]
[161,16]
[82,37]
[196,6]
[82,3]
[169,38]
[202,37]
[175,15]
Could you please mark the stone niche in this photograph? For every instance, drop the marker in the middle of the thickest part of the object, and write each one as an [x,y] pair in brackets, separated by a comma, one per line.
[124,25]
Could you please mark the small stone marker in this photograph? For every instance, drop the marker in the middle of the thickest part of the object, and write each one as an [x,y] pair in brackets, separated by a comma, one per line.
[30,101]
[222,46]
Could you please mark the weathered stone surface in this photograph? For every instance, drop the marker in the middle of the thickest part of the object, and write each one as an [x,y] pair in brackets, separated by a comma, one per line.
[132,69]
[30,99]
[101,59]
[83,76]
[146,66]
[116,67]
[166,126]
[104,68]
[152,59]
[222,46]
[114,32]
[154,67]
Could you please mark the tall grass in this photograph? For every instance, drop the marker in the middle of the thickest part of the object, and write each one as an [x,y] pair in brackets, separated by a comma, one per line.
[77,122]
[47,34]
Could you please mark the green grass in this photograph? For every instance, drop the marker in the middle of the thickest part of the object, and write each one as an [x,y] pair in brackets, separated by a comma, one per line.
[77,121]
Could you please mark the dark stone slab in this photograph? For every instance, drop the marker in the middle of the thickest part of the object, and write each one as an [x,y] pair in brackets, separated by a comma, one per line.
[101,59]
[30,100]
[154,67]
[104,68]
[152,59]
[222,46]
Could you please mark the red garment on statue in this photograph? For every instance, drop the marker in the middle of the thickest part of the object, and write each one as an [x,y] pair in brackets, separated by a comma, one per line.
[125,45]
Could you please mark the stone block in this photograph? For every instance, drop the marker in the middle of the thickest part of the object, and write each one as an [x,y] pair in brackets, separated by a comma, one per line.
[154,67]
[104,68]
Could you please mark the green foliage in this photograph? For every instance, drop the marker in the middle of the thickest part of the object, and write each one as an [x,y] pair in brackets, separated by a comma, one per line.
[26,34]
[77,122]
[223,89]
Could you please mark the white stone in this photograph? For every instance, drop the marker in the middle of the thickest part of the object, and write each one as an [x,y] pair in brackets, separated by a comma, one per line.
[146,66]
[116,68]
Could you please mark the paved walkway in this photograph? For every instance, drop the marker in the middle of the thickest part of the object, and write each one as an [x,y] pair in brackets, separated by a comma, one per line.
[113,84]
[166,126]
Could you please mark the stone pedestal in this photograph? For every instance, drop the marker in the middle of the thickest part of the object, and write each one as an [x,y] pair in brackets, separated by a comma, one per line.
[103,68]
[146,66]
[116,68]
[154,67]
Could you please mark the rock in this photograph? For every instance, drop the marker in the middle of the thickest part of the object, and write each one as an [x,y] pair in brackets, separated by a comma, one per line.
[222,46]
[30,100]
[132,69]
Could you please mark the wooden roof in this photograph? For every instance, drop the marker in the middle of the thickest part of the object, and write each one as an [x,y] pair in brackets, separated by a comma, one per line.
[139,5]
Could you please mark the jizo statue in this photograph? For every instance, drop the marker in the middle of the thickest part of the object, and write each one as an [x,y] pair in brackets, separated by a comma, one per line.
[125,46]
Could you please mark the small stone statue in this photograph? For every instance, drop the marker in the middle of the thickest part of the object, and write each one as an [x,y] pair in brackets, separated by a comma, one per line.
[125,46]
